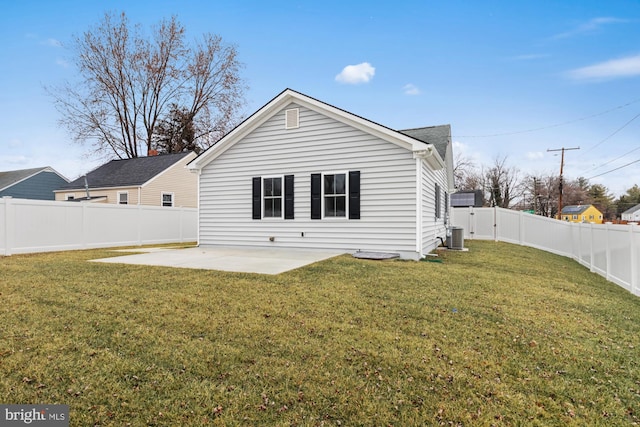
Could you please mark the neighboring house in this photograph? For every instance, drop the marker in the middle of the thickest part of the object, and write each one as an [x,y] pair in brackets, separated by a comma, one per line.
[469,198]
[301,173]
[632,215]
[153,180]
[582,213]
[36,183]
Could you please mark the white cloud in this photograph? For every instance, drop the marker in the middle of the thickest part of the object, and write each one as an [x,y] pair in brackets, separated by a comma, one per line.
[62,63]
[52,43]
[589,27]
[535,155]
[615,68]
[356,74]
[411,89]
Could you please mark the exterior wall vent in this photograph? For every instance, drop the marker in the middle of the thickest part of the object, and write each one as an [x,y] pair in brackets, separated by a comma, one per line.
[291,118]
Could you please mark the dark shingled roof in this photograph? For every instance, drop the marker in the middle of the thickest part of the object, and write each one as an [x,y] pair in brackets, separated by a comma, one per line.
[126,172]
[438,136]
[575,209]
[9,178]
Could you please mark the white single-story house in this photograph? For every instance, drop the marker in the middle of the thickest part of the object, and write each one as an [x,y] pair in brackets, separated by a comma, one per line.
[300,173]
[632,214]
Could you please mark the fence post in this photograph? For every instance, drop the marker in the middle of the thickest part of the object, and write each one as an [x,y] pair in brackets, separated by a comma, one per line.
[608,252]
[9,224]
[495,223]
[181,221]
[591,246]
[633,255]
[140,222]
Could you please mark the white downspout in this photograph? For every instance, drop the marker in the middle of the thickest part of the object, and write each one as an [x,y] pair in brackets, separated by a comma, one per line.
[419,206]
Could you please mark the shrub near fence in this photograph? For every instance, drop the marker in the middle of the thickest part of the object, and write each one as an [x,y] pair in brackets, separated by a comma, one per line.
[611,250]
[41,226]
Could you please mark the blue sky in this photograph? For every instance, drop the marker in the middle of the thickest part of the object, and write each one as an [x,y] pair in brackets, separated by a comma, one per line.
[513,78]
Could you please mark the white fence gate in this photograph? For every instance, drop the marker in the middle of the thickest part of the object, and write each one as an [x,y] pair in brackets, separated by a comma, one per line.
[41,226]
[611,250]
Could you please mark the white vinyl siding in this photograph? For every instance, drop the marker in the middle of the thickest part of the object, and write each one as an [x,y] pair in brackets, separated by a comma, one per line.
[319,145]
[432,227]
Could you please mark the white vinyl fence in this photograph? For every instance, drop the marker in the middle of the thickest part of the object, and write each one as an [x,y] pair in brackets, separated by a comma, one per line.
[41,226]
[611,250]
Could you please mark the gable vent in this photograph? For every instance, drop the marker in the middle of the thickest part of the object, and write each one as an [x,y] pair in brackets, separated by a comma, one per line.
[291,119]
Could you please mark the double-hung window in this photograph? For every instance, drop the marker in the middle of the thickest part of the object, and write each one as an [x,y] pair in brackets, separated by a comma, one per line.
[167,200]
[335,195]
[272,191]
[123,197]
[272,197]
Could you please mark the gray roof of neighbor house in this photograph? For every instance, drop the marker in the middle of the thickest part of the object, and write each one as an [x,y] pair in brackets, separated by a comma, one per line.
[9,178]
[575,209]
[126,172]
[632,210]
[438,136]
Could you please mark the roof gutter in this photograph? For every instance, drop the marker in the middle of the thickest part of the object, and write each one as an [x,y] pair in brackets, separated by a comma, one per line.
[430,155]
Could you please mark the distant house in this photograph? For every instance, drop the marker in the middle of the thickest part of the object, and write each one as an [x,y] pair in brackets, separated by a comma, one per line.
[632,214]
[300,173]
[36,183]
[154,181]
[582,213]
[464,199]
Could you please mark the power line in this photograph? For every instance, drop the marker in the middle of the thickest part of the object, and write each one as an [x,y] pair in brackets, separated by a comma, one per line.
[613,170]
[551,126]
[616,131]
[611,161]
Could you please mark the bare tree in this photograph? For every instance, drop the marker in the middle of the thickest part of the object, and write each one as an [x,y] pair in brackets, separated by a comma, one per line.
[502,184]
[129,84]
[464,173]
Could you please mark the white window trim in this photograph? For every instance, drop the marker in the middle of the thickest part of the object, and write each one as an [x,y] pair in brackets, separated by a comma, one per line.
[118,197]
[173,198]
[262,198]
[346,196]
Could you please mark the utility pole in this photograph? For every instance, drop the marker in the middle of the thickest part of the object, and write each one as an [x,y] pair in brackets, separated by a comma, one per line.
[561,168]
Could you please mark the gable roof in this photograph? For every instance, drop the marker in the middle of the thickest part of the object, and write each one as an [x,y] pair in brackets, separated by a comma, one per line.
[126,172]
[438,136]
[422,148]
[10,178]
[575,209]
[632,210]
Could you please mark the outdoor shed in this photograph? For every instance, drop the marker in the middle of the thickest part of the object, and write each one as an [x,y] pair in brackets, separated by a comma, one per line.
[300,173]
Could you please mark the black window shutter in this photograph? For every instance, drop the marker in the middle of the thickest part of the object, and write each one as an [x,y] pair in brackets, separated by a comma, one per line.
[316,196]
[257,197]
[354,195]
[288,197]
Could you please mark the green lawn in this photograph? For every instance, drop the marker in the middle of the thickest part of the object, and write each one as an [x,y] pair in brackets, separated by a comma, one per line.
[499,335]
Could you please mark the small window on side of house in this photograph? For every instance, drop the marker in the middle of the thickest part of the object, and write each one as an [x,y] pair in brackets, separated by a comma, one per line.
[123,198]
[575,217]
[167,200]
[437,197]
[69,196]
